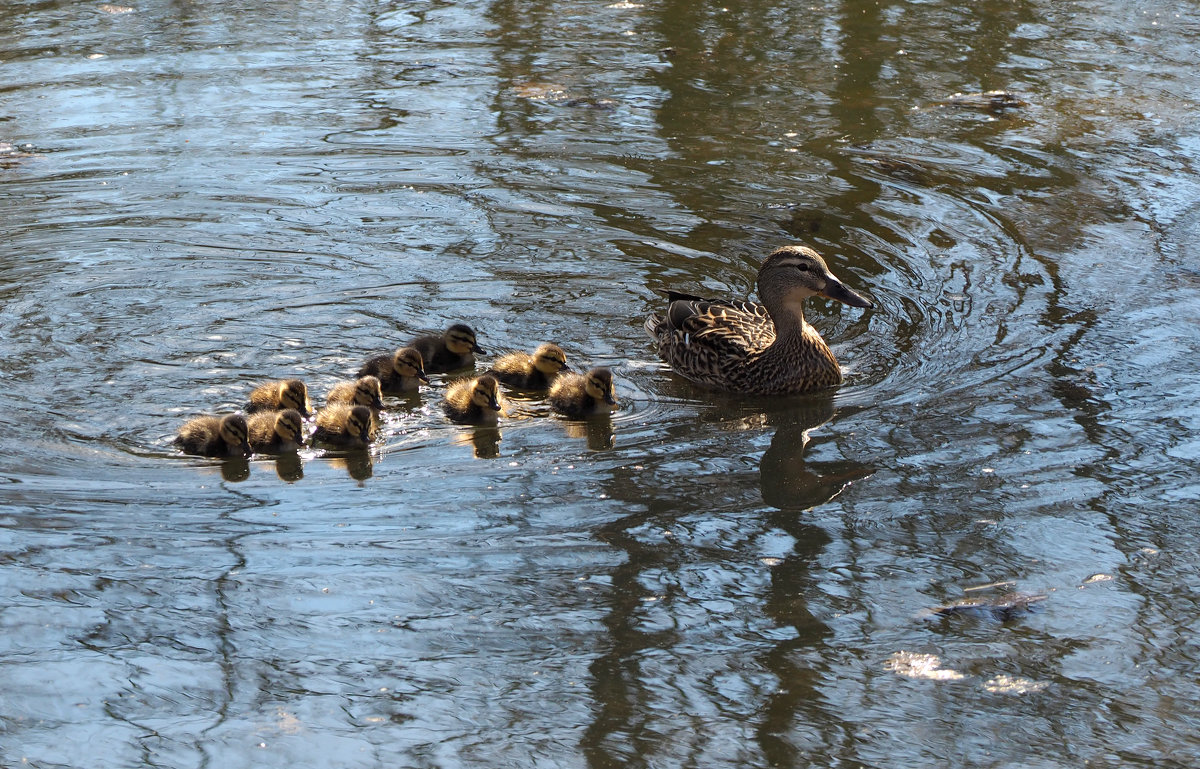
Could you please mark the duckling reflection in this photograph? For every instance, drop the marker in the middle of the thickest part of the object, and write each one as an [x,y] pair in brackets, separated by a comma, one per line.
[359,465]
[484,440]
[787,480]
[598,430]
[289,467]
[235,469]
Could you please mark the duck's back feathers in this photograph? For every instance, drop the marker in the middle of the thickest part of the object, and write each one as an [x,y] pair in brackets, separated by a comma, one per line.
[276,432]
[212,436]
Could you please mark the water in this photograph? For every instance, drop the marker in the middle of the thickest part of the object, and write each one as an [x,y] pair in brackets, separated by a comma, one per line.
[202,195]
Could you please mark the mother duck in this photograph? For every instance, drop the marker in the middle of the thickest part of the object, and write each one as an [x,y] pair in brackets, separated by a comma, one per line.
[756,349]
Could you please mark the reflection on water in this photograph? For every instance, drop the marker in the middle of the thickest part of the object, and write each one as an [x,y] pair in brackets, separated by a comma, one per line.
[204,195]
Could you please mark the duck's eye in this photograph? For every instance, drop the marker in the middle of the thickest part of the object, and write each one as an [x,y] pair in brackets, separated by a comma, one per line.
[802,267]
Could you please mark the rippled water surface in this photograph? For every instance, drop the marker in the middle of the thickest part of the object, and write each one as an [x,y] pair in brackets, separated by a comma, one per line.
[982,550]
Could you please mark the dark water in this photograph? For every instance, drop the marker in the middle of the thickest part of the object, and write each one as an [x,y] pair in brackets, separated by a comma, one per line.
[200,195]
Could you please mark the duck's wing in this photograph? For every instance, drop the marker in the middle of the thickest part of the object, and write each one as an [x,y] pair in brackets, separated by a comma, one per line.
[736,327]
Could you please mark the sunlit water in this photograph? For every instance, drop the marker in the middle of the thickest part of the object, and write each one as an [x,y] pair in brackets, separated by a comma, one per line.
[198,196]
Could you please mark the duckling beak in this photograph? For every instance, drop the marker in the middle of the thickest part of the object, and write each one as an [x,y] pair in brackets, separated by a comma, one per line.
[494,404]
[475,348]
[377,403]
[421,375]
[566,368]
[835,289]
[246,451]
[610,398]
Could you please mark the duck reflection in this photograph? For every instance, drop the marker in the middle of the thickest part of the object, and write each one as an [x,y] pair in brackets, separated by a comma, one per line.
[787,480]
[485,441]
[235,469]
[358,464]
[598,431]
[289,467]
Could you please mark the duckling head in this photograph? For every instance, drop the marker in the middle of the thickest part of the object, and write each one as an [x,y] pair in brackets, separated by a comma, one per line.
[408,362]
[358,423]
[460,340]
[791,274]
[598,384]
[485,393]
[235,433]
[289,426]
[293,394]
[369,392]
[550,359]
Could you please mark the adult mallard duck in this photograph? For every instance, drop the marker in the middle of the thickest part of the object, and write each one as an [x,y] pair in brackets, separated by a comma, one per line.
[530,372]
[756,349]
[454,349]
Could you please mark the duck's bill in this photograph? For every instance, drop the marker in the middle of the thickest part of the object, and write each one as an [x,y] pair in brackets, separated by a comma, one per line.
[494,404]
[423,377]
[566,368]
[835,289]
[246,450]
[478,350]
[610,399]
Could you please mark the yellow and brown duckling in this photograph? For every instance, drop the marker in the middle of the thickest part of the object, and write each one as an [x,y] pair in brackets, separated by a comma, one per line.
[345,426]
[364,391]
[455,349]
[756,349]
[474,401]
[530,372]
[212,436]
[584,395]
[276,432]
[401,372]
[276,396]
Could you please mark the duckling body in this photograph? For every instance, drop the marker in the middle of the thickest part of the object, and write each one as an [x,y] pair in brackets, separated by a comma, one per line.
[211,436]
[399,373]
[455,349]
[283,394]
[474,401]
[584,395]
[344,426]
[364,391]
[530,372]
[756,349]
[276,432]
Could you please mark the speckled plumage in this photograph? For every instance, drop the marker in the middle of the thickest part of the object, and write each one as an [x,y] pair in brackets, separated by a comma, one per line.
[212,436]
[452,350]
[474,401]
[757,349]
[584,395]
[276,432]
[530,372]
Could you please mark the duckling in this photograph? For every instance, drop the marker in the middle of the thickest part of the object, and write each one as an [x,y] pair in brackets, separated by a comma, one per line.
[454,349]
[211,436]
[582,395]
[276,432]
[401,372]
[474,401]
[756,349]
[530,372]
[284,394]
[344,426]
[364,391]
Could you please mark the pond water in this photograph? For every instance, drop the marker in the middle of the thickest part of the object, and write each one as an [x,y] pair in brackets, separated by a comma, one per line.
[199,196]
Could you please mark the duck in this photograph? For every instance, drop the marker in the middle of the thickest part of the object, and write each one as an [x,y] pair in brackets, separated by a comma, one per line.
[344,426]
[283,394]
[455,349]
[530,372]
[364,391]
[756,349]
[213,436]
[402,372]
[584,395]
[474,401]
[276,432]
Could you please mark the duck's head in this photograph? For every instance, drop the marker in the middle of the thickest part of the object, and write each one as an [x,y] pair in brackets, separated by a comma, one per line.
[408,362]
[293,394]
[598,384]
[235,433]
[485,393]
[791,274]
[460,340]
[369,392]
[550,359]
[289,426]
[358,423]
